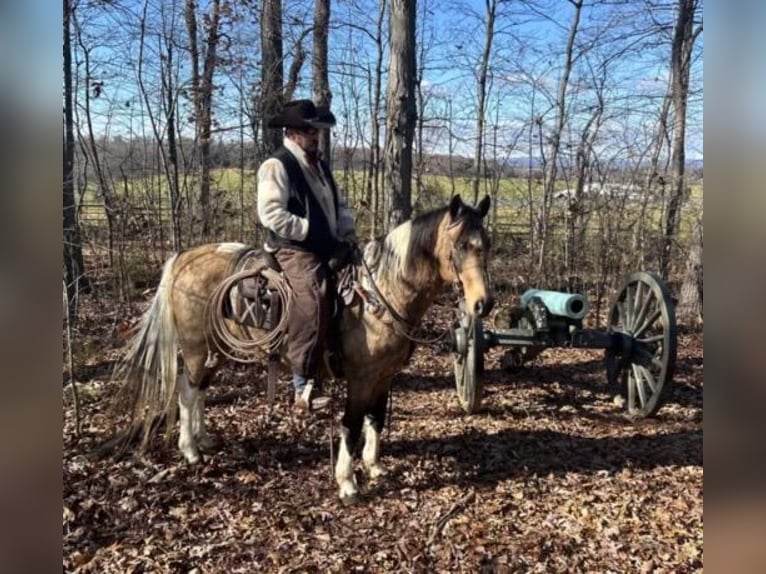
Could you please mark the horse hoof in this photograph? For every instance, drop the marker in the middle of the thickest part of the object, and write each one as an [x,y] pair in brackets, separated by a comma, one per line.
[349,499]
[193,460]
[191,456]
[377,471]
[207,443]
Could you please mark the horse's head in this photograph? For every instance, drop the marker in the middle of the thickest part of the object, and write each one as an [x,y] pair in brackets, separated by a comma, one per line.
[467,257]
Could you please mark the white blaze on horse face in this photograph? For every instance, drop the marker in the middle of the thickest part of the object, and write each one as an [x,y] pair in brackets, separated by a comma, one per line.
[187,404]
[230,247]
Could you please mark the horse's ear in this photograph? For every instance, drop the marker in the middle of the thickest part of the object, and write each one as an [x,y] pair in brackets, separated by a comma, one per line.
[483,206]
[455,206]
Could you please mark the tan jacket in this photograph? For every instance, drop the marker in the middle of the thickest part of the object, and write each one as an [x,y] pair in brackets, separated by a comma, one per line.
[274,192]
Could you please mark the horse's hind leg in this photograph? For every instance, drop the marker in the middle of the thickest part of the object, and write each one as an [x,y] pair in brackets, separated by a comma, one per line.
[204,440]
[188,396]
[373,427]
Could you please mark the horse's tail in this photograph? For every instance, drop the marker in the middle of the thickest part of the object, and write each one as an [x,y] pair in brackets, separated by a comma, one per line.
[150,367]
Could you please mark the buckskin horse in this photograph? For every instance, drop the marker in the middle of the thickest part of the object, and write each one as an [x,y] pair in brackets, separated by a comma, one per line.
[407,269]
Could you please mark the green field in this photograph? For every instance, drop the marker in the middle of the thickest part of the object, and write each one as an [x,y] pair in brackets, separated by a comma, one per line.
[232,190]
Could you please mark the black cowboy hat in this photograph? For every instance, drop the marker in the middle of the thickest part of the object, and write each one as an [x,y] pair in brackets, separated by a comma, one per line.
[303,114]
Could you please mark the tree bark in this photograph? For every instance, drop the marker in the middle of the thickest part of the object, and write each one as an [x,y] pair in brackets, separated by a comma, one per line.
[684,36]
[272,72]
[401,112]
[690,304]
[74,268]
[202,88]
[478,160]
[319,67]
[373,192]
[555,137]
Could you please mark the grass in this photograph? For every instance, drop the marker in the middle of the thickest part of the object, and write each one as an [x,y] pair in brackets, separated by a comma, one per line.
[231,189]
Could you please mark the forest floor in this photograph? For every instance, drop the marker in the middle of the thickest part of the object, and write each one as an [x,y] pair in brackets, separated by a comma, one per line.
[549,476]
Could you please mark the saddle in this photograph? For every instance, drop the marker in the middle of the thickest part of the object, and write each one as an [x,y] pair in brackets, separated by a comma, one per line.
[255,301]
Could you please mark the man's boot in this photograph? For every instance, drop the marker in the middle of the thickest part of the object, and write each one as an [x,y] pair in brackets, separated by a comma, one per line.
[308,399]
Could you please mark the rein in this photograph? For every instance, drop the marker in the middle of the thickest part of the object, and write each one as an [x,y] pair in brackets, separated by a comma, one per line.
[398,319]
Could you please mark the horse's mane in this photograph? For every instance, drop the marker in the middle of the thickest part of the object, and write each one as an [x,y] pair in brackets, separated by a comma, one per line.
[408,249]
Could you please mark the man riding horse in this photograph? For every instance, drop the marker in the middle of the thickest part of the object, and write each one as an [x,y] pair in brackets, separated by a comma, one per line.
[307,223]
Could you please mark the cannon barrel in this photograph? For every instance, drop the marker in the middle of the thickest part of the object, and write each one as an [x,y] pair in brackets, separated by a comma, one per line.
[571,305]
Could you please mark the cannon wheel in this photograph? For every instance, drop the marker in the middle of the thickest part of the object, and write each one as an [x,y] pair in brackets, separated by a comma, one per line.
[642,367]
[469,366]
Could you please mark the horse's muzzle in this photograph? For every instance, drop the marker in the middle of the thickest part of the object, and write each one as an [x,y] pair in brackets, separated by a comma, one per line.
[483,306]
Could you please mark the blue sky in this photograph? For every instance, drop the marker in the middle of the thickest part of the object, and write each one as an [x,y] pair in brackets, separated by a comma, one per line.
[528,46]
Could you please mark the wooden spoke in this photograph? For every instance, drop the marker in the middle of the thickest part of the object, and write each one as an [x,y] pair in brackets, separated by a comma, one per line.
[651,339]
[643,310]
[648,323]
[639,381]
[648,377]
[637,306]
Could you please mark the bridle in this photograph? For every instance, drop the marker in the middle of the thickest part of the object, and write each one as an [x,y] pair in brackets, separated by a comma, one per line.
[400,324]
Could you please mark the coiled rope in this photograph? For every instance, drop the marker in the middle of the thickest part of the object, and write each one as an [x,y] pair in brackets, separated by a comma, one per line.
[243,346]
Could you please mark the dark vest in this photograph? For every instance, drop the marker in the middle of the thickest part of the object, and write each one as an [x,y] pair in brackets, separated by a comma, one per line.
[302,202]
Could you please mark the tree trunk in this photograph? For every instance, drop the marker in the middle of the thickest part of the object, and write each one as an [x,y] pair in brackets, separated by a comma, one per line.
[74,269]
[401,112]
[319,65]
[104,188]
[373,194]
[683,41]
[202,88]
[172,171]
[690,304]
[555,137]
[653,177]
[272,73]
[478,160]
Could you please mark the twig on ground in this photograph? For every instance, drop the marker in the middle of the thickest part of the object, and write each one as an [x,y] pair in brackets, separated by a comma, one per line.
[441,522]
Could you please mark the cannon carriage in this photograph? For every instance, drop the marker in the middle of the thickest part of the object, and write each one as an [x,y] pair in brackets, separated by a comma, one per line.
[639,342]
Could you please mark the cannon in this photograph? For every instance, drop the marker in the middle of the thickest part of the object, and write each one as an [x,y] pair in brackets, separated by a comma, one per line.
[639,342]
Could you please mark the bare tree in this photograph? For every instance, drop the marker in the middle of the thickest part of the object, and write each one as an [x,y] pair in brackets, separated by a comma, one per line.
[202,95]
[684,36]
[272,72]
[92,145]
[319,63]
[75,279]
[401,112]
[690,304]
[373,190]
[170,109]
[558,130]
[481,106]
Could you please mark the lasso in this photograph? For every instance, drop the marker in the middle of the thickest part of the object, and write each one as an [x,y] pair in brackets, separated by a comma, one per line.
[243,346]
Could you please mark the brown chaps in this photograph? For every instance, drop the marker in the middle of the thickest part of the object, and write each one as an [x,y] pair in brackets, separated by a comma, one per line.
[309,317]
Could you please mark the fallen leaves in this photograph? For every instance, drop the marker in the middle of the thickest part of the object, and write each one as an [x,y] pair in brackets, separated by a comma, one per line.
[548,477]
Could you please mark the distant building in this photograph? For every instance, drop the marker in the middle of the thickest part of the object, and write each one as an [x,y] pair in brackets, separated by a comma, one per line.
[621,190]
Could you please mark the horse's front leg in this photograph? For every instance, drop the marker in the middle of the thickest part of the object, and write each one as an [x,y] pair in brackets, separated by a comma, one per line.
[351,430]
[373,427]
